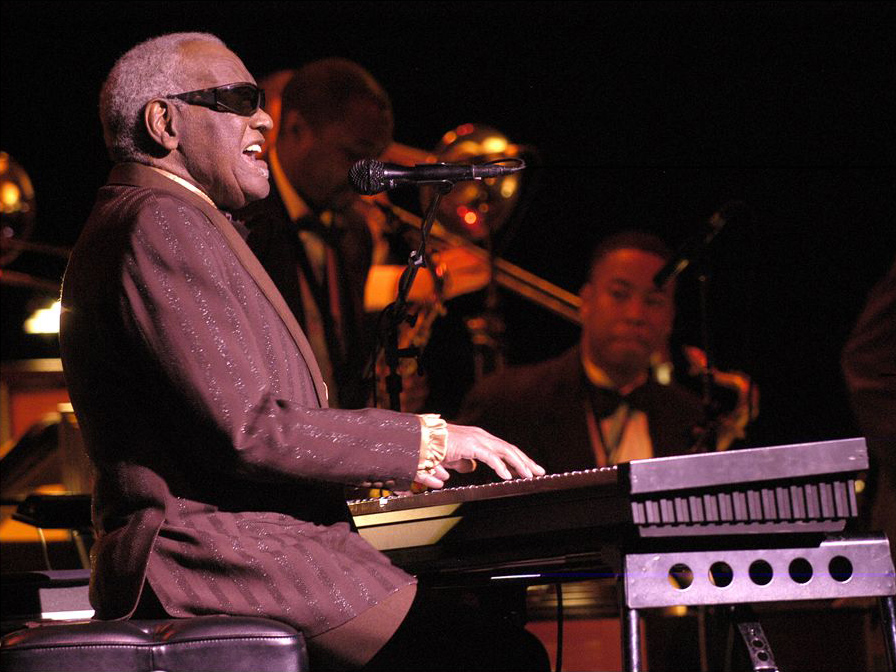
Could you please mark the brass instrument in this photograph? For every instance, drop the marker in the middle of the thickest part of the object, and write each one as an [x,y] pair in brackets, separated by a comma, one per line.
[490,201]
[16,207]
[17,213]
[476,209]
[731,425]
[470,212]
[414,336]
[507,275]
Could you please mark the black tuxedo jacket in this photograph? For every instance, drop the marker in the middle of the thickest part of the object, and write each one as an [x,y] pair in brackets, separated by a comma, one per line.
[541,408]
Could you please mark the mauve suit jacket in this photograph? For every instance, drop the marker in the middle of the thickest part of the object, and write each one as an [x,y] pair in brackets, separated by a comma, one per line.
[220,469]
[273,237]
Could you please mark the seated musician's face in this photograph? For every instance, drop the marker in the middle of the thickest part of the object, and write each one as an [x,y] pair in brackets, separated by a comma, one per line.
[624,317]
[217,149]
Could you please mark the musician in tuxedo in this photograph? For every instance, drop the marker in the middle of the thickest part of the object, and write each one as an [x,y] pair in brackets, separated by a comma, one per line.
[329,251]
[219,465]
[598,404]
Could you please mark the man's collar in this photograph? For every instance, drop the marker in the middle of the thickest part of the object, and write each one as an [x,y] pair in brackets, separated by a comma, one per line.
[185,184]
[296,207]
[141,175]
[599,378]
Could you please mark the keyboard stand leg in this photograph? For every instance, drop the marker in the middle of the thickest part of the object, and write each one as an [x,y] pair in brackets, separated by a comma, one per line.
[631,640]
[888,625]
[761,657]
[701,639]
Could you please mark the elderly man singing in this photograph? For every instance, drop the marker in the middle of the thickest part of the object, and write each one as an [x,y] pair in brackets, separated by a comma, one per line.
[219,466]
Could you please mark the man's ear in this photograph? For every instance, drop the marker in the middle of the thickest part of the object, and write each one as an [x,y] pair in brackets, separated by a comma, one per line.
[159,117]
[293,125]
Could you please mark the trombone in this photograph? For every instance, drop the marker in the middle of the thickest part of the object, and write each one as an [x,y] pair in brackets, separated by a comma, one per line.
[488,204]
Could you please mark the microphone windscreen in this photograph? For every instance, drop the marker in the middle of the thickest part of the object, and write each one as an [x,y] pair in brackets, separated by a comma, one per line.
[367,177]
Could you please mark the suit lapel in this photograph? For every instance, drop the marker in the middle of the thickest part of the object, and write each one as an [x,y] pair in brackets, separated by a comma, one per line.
[564,418]
[139,175]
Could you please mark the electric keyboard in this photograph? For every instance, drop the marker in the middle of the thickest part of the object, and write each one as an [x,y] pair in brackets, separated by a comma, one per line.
[576,519]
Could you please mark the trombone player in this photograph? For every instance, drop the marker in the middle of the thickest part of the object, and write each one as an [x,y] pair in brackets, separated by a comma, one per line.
[325,247]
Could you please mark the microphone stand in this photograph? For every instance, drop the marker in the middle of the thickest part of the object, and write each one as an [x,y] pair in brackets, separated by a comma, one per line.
[397,312]
[708,438]
[696,251]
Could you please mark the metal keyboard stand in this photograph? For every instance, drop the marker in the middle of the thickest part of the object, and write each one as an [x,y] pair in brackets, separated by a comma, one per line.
[760,651]
[888,625]
[844,567]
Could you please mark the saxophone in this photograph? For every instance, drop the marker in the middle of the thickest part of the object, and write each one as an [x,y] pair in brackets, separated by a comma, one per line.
[415,331]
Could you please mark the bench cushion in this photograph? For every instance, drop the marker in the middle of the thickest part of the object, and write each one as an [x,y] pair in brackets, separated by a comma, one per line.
[203,643]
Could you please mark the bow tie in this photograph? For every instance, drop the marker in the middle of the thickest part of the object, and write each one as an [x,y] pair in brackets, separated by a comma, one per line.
[605,401]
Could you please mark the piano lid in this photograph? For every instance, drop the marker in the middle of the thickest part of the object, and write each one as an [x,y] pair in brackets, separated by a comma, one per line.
[706,470]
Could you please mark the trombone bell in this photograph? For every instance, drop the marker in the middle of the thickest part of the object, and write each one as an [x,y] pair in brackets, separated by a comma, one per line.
[475,210]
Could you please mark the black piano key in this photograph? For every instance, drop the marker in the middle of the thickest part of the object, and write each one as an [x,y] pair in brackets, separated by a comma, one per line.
[841,500]
[853,504]
[813,508]
[826,498]
[653,512]
[638,516]
[782,496]
[726,507]
[769,504]
[798,501]
[741,509]
[754,505]
[711,508]
[696,505]
[682,514]
[667,510]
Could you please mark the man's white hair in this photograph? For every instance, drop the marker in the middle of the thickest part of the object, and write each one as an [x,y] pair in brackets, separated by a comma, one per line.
[152,69]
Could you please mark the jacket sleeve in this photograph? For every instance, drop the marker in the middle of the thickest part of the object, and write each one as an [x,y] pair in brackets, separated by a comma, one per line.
[215,337]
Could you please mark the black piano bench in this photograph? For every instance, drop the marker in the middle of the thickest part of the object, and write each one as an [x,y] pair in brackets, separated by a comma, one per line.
[199,644]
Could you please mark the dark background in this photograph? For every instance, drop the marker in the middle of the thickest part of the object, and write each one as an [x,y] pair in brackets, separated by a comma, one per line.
[647,115]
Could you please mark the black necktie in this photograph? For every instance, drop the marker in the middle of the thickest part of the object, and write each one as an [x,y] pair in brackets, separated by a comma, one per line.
[318,281]
[604,401]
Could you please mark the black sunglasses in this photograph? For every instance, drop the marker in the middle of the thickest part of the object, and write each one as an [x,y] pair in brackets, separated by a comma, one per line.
[242,98]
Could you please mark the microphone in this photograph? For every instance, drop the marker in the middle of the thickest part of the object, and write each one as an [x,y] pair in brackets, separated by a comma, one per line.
[693,249]
[369,176]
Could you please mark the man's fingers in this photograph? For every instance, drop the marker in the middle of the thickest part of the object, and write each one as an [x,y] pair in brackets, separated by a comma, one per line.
[511,456]
[473,443]
[521,464]
[534,468]
[441,473]
[495,463]
[503,457]
[429,480]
